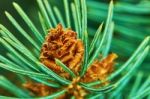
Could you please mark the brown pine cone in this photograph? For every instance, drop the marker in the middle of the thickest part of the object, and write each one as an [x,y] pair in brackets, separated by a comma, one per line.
[100,70]
[39,89]
[62,44]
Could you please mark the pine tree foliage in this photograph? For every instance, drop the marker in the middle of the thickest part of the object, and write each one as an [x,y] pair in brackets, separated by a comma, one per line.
[24,61]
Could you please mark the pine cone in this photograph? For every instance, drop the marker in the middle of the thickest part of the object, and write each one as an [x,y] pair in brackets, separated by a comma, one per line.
[100,70]
[39,89]
[62,44]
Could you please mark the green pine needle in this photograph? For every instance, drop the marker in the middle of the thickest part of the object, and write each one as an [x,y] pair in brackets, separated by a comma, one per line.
[65,68]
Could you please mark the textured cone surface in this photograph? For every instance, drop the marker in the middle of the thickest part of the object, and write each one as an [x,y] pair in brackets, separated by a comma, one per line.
[62,44]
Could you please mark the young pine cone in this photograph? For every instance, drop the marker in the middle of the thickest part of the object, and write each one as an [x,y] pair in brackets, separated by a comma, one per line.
[39,89]
[62,44]
[100,70]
